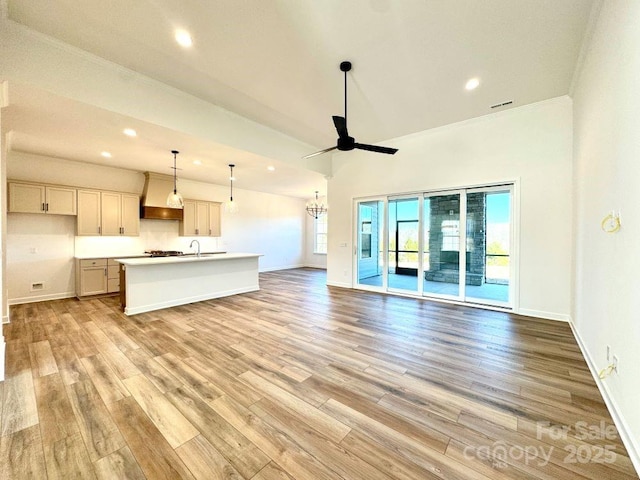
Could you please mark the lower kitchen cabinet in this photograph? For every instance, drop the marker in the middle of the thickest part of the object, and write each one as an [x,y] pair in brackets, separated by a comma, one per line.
[97,276]
[91,276]
[113,276]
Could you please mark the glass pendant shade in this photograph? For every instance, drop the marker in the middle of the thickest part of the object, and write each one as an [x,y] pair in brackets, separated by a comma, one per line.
[174,200]
[231,206]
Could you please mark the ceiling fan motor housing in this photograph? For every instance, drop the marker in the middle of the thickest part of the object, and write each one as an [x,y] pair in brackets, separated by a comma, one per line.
[346,143]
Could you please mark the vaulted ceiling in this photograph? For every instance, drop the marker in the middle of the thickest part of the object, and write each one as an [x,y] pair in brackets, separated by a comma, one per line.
[276,61]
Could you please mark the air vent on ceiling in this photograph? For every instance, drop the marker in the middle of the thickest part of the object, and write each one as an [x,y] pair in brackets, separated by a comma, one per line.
[498,105]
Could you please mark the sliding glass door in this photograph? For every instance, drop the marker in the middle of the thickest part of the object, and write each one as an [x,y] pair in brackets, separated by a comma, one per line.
[441,245]
[370,243]
[489,237]
[403,244]
[453,245]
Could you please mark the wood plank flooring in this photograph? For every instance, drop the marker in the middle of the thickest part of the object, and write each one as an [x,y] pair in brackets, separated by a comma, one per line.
[299,381]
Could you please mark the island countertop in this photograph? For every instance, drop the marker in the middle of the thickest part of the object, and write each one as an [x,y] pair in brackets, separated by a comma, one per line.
[205,257]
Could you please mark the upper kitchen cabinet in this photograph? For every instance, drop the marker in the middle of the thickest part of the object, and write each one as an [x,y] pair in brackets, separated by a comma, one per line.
[120,214]
[200,219]
[89,213]
[108,213]
[38,198]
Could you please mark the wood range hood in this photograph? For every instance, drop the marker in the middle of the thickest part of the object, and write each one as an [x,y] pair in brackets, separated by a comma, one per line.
[153,204]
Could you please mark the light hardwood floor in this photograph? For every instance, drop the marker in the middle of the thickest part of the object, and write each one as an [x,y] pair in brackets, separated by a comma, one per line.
[299,381]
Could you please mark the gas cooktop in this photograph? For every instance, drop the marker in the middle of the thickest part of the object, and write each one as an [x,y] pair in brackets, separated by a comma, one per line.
[163,253]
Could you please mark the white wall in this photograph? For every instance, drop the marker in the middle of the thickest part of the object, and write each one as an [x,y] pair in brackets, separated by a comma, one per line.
[530,144]
[273,225]
[607,177]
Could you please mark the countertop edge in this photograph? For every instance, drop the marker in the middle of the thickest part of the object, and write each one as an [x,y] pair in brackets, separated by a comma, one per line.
[142,261]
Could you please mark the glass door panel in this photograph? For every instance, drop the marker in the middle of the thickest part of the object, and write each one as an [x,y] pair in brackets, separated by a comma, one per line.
[403,247]
[370,243]
[488,243]
[441,245]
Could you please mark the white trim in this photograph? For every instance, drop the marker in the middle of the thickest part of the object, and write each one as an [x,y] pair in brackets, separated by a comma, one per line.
[633,448]
[561,317]
[585,44]
[184,301]
[5,320]
[310,265]
[339,284]
[41,298]
[2,345]
[282,267]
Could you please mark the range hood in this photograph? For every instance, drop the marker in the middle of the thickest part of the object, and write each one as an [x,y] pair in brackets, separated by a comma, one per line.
[154,198]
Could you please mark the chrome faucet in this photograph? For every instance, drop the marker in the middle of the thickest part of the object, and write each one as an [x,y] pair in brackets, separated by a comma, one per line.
[197,243]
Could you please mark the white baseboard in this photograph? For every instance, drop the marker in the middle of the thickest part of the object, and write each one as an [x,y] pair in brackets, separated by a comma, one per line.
[339,284]
[561,317]
[320,267]
[41,298]
[283,267]
[632,446]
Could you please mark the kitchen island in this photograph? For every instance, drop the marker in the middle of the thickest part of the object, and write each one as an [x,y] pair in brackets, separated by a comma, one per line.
[149,284]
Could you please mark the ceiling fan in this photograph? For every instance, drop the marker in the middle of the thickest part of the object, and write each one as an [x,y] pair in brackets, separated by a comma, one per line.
[345,142]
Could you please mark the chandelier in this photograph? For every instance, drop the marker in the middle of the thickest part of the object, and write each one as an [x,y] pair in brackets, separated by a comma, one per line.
[315,208]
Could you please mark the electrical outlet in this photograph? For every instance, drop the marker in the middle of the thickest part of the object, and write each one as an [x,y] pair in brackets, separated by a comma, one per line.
[608,352]
[615,363]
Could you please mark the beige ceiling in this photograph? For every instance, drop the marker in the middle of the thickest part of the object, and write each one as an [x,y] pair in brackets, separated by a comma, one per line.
[276,62]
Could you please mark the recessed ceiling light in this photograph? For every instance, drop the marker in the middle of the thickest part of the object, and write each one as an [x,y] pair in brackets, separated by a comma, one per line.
[472,84]
[271,168]
[105,154]
[197,162]
[183,38]
[130,132]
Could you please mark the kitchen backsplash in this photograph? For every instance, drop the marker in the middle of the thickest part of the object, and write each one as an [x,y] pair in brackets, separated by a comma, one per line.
[154,235]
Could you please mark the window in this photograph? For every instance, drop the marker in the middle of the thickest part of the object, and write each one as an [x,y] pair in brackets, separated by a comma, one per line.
[450,235]
[320,234]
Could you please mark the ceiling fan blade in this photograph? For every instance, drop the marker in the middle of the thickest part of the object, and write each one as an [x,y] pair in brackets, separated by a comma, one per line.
[320,152]
[341,126]
[375,148]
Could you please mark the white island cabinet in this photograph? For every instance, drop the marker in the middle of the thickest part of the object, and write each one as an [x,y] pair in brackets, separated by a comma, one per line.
[154,283]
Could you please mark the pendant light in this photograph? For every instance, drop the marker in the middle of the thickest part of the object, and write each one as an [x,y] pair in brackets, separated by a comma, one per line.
[174,200]
[231,206]
[316,208]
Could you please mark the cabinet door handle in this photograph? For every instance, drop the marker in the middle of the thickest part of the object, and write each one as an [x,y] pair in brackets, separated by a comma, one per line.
[209,232]
[197,232]
[99,229]
[43,208]
[105,271]
[46,209]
